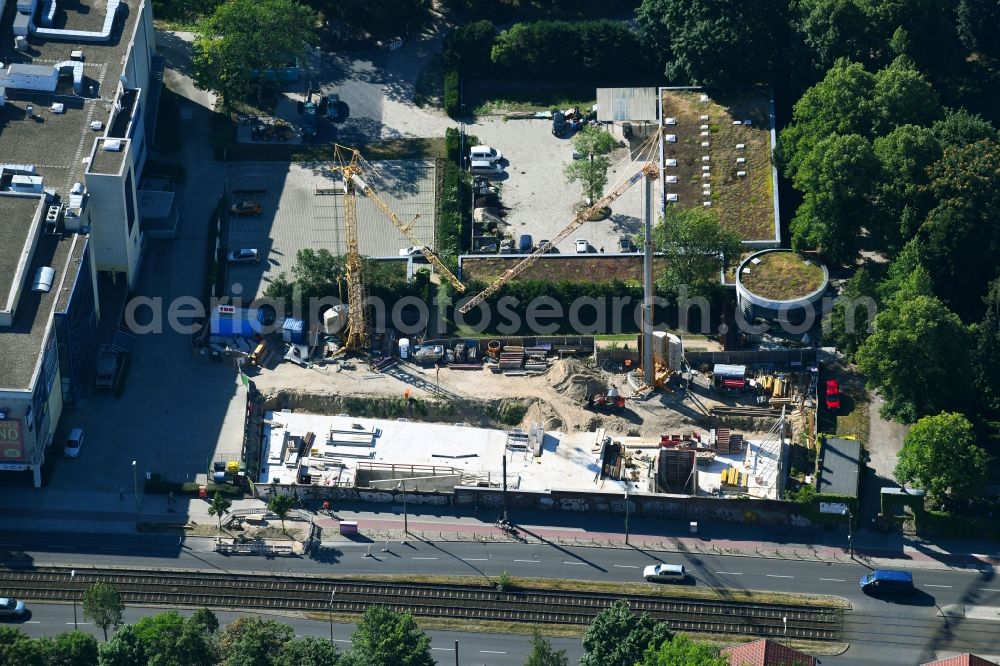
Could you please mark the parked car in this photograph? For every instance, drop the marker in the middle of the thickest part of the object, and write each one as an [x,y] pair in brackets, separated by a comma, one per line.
[832,395]
[625,244]
[558,123]
[665,573]
[484,154]
[545,245]
[410,251]
[10,607]
[506,246]
[331,106]
[244,256]
[487,168]
[582,246]
[73,443]
[524,243]
[249,207]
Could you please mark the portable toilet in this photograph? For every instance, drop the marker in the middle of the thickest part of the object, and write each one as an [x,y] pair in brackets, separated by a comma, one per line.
[404,348]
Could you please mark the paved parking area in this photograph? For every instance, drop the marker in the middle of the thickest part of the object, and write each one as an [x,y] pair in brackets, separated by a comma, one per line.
[542,203]
[295,216]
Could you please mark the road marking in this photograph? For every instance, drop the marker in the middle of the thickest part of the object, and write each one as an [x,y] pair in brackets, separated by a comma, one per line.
[533,562]
[32,621]
[929,585]
[580,563]
[79,623]
[625,566]
[476,559]
[341,640]
[491,652]
[423,558]
[729,573]
[444,649]
[989,589]
[778,576]
[834,580]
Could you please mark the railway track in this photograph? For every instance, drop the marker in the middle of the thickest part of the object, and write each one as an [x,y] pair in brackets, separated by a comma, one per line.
[301,593]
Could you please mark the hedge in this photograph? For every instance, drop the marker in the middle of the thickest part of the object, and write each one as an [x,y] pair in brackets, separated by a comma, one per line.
[451,94]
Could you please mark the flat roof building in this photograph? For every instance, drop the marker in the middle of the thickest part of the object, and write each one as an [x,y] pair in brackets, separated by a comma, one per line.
[75,80]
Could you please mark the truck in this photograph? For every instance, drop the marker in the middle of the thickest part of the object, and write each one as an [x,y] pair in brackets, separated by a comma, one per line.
[109,369]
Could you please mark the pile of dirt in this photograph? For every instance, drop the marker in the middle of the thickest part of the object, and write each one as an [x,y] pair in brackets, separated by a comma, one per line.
[575,380]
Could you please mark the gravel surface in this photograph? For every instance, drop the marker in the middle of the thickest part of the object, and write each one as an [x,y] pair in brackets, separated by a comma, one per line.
[542,203]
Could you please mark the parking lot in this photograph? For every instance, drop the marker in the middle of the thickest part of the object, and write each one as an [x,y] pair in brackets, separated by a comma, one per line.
[541,202]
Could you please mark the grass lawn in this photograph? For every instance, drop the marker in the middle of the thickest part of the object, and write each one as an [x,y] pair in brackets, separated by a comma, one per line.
[782,276]
[628,269]
[745,203]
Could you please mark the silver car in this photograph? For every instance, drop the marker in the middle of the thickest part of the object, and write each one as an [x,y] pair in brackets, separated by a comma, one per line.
[10,607]
[665,573]
[244,256]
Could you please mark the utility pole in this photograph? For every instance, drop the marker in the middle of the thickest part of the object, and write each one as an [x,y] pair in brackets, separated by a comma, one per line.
[406,515]
[456,653]
[332,592]
[135,488]
[626,517]
[850,532]
[503,496]
[72,576]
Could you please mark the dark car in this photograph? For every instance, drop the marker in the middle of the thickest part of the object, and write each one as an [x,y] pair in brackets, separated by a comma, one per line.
[558,123]
[525,244]
[887,582]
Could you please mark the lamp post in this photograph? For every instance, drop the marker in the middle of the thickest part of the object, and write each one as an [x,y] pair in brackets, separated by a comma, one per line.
[135,488]
[850,531]
[406,516]
[626,517]
[72,576]
[332,592]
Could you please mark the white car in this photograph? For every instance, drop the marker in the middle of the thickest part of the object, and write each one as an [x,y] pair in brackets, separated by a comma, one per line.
[484,153]
[73,443]
[665,573]
[10,607]
[411,251]
[582,246]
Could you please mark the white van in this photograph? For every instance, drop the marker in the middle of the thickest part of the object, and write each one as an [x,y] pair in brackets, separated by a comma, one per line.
[486,168]
[665,573]
[485,154]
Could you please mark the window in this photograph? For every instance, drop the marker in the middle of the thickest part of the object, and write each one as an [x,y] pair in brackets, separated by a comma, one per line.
[129,201]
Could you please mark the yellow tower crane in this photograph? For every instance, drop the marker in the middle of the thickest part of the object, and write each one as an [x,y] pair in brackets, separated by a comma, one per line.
[359,175]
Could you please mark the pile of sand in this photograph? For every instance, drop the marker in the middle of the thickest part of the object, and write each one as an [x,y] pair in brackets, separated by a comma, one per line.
[575,380]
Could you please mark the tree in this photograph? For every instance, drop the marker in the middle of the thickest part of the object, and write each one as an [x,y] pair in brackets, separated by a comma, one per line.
[837,179]
[959,240]
[11,641]
[219,507]
[385,637]
[986,355]
[308,651]
[206,619]
[705,42]
[852,318]
[839,104]
[903,96]
[941,456]
[280,505]
[696,248]
[902,200]
[592,142]
[71,648]
[124,649]
[617,637]
[247,41]
[592,174]
[466,49]
[382,19]
[682,651]
[918,357]
[977,22]
[960,128]
[542,653]
[833,29]
[103,606]
[171,640]
[253,641]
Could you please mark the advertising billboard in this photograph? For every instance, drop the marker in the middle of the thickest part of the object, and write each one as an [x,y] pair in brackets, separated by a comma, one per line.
[11,441]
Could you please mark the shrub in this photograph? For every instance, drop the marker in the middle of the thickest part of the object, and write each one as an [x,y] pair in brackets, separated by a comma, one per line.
[467,49]
[451,93]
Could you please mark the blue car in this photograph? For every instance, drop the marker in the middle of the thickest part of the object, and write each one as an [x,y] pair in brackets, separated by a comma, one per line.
[887,582]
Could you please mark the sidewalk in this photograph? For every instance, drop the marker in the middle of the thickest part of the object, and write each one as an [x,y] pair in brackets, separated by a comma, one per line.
[108,513]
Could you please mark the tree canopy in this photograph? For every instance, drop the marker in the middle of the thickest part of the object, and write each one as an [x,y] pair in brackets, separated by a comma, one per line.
[543,654]
[385,637]
[941,456]
[253,641]
[852,317]
[241,45]
[696,247]
[103,606]
[682,651]
[618,637]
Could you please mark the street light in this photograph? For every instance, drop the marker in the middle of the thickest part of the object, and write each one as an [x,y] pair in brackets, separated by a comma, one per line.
[135,488]
[850,531]
[332,592]
[72,576]
[626,517]
[406,522]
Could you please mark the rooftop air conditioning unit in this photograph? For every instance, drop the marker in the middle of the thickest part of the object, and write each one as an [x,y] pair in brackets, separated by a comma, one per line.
[113,145]
[669,121]
[43,279]
[670,138]
[671,196]
[670,162]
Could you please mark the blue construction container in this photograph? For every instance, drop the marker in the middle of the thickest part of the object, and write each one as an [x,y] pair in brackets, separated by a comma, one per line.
[294,331]
[233,322]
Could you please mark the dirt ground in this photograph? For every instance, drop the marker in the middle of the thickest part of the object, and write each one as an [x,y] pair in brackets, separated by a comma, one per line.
[557,397]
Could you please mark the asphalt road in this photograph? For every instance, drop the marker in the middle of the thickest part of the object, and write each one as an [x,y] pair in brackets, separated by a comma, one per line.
[880,632]
[473,649]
